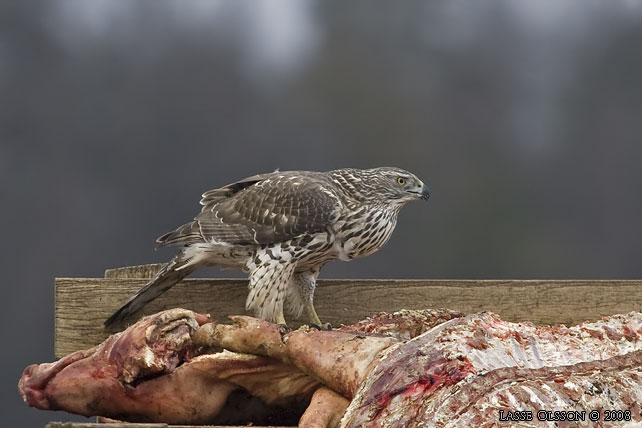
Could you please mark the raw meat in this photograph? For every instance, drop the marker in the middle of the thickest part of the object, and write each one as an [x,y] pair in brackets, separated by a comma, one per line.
[152,372]
[431,368]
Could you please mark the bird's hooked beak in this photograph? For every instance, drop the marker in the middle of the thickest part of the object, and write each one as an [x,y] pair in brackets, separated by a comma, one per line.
[419,191]
[424,193]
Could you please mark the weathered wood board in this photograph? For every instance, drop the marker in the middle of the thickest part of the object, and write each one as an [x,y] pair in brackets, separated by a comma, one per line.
[114,425]
[82,304]
[134,425]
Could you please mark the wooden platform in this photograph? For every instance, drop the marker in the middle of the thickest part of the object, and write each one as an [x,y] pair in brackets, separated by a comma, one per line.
[133,425]
[82,304]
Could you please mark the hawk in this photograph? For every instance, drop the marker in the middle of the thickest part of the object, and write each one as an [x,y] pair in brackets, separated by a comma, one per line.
[282,227]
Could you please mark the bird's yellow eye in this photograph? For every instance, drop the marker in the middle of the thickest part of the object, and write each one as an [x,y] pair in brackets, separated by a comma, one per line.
[401,181]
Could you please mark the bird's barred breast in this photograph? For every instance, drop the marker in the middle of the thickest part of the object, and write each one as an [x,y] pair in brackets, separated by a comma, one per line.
[364,233]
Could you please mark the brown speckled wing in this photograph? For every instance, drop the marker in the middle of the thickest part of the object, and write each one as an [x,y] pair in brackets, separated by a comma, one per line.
[276,208]
[215,196]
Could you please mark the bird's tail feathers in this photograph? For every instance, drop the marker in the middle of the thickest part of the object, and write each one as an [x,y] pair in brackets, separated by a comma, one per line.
[170,274]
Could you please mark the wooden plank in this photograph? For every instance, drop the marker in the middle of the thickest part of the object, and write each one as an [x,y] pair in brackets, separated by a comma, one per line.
[138,425]
[111,425]
[140,271]
[82,304]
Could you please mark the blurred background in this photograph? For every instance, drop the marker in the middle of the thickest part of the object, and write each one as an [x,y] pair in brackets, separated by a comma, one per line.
[524,117]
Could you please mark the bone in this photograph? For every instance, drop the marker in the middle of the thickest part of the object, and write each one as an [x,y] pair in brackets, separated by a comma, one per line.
[339,359]
[325,410]
[245,335]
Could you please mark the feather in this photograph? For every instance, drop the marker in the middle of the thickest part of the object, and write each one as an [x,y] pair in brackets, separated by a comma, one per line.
[262,209]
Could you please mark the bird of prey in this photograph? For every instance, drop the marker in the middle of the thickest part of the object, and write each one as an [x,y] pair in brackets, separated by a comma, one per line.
[282,227]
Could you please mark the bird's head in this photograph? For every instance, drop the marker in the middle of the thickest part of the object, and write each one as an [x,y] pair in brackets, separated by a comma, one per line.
[394,185]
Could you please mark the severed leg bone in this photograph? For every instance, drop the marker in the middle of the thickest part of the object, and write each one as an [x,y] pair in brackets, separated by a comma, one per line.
[341,360]
[325,410]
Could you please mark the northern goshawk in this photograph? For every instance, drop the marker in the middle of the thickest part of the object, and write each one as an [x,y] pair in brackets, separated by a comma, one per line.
[282,227]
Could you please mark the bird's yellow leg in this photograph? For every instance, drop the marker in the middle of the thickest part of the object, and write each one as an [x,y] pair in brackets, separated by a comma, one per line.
[311,313]
[280,319]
